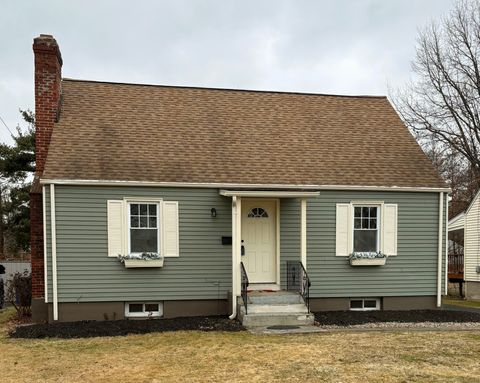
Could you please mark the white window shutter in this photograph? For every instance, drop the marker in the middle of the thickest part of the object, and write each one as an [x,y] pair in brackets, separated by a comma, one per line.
[115,209]
[343,231]
[390,229]
[170,229]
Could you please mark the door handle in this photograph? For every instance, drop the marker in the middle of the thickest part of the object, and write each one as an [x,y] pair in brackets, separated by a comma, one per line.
[242,249]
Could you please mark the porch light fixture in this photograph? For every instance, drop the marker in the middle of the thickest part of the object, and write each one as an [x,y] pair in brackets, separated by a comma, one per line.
[213,212]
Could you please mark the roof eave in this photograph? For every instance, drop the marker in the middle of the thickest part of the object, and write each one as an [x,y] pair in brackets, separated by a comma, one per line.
[429,189]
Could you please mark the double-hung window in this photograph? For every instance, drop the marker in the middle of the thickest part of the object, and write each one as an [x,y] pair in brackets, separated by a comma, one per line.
[144,227]
[366,233]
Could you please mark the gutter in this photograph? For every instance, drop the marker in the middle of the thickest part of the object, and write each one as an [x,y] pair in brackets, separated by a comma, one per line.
[100,182]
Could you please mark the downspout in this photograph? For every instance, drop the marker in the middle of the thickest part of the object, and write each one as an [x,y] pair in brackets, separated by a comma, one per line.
[53,233]
[234,258]
[440,245]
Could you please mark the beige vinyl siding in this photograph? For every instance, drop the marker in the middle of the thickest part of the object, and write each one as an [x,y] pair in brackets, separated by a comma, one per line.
[472,241]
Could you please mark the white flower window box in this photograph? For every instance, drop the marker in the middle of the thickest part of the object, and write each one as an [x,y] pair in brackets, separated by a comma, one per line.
[141,260]
[367,259]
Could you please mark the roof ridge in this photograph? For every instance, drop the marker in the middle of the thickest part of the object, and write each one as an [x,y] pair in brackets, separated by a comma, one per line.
[225,89]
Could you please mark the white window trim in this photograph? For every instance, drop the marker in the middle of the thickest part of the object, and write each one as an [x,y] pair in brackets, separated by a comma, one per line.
[140,200]
[376,308]
[379,206]
[144,314]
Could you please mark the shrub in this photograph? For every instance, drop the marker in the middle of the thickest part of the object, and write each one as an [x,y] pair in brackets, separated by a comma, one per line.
[19,293]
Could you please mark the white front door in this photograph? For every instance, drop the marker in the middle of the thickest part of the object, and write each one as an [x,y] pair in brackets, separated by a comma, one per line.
[259,240]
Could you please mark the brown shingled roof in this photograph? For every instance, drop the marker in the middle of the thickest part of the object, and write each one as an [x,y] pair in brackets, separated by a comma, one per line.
[126,132]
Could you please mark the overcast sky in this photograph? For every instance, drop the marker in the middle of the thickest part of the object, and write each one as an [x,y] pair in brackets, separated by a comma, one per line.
[342,47]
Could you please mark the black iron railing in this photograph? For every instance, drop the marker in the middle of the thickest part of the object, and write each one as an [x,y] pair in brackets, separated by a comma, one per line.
[244,282]
[298,280]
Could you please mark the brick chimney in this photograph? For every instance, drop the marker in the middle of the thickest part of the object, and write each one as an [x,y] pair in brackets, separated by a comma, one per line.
[48,93]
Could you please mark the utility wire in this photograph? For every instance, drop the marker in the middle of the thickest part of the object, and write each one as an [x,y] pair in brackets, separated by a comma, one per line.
[6,126]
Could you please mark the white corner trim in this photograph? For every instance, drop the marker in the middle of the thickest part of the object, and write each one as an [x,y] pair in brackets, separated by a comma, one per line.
[446,248]
[268,194]
[60,181]
[277,241]
[234,257]
[440,252]
[53,232]
[45,257]
[303,232]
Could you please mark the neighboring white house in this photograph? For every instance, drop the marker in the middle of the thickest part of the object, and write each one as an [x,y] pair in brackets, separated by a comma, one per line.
[469,222]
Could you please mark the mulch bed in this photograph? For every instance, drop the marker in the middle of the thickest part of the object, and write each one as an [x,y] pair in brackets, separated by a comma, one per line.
[351,318]
[88,329]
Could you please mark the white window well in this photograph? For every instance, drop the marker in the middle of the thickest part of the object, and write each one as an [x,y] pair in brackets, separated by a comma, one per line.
[143,309]
[364,304]
[366,223]
[144,227]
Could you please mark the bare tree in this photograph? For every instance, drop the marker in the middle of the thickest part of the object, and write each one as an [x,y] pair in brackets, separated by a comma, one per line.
[442,104]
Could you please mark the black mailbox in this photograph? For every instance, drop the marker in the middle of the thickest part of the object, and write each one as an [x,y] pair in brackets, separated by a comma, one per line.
[226,240]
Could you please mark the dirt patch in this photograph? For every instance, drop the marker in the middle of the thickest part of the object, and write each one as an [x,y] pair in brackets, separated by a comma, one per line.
[88,329]
[352,318]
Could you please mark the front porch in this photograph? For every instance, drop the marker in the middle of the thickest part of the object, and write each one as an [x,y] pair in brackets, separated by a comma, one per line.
[268,289]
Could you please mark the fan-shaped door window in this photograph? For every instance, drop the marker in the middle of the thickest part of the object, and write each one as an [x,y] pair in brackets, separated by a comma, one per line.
[257,212]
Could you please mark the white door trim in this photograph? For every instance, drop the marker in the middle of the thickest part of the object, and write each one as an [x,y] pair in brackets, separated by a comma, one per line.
[276,201]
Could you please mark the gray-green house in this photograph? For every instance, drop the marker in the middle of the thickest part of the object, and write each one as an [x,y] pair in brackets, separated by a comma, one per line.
[217,185]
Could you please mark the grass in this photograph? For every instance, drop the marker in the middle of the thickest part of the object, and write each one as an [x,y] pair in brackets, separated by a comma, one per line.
[461,302]
[243,357]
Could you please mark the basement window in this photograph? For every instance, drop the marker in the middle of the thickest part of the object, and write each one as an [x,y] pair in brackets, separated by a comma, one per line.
[143,309]
[364,304]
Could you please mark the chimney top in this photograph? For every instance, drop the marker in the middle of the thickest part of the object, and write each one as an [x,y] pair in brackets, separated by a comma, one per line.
[47,44]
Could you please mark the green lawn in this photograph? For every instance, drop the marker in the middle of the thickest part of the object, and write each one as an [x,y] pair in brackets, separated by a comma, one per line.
[242,357]
[461,302]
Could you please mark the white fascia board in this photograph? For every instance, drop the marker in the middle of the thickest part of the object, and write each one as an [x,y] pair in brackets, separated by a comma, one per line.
[271,194]
[45,181]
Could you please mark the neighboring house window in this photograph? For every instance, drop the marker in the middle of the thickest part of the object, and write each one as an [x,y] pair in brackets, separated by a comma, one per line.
[144,227]
[366,229]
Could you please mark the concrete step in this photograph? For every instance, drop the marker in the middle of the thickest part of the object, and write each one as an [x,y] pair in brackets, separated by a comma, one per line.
[277,297]
[277,319]
[276,308]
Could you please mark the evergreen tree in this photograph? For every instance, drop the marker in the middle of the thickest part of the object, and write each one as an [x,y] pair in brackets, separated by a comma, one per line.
[17,165]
